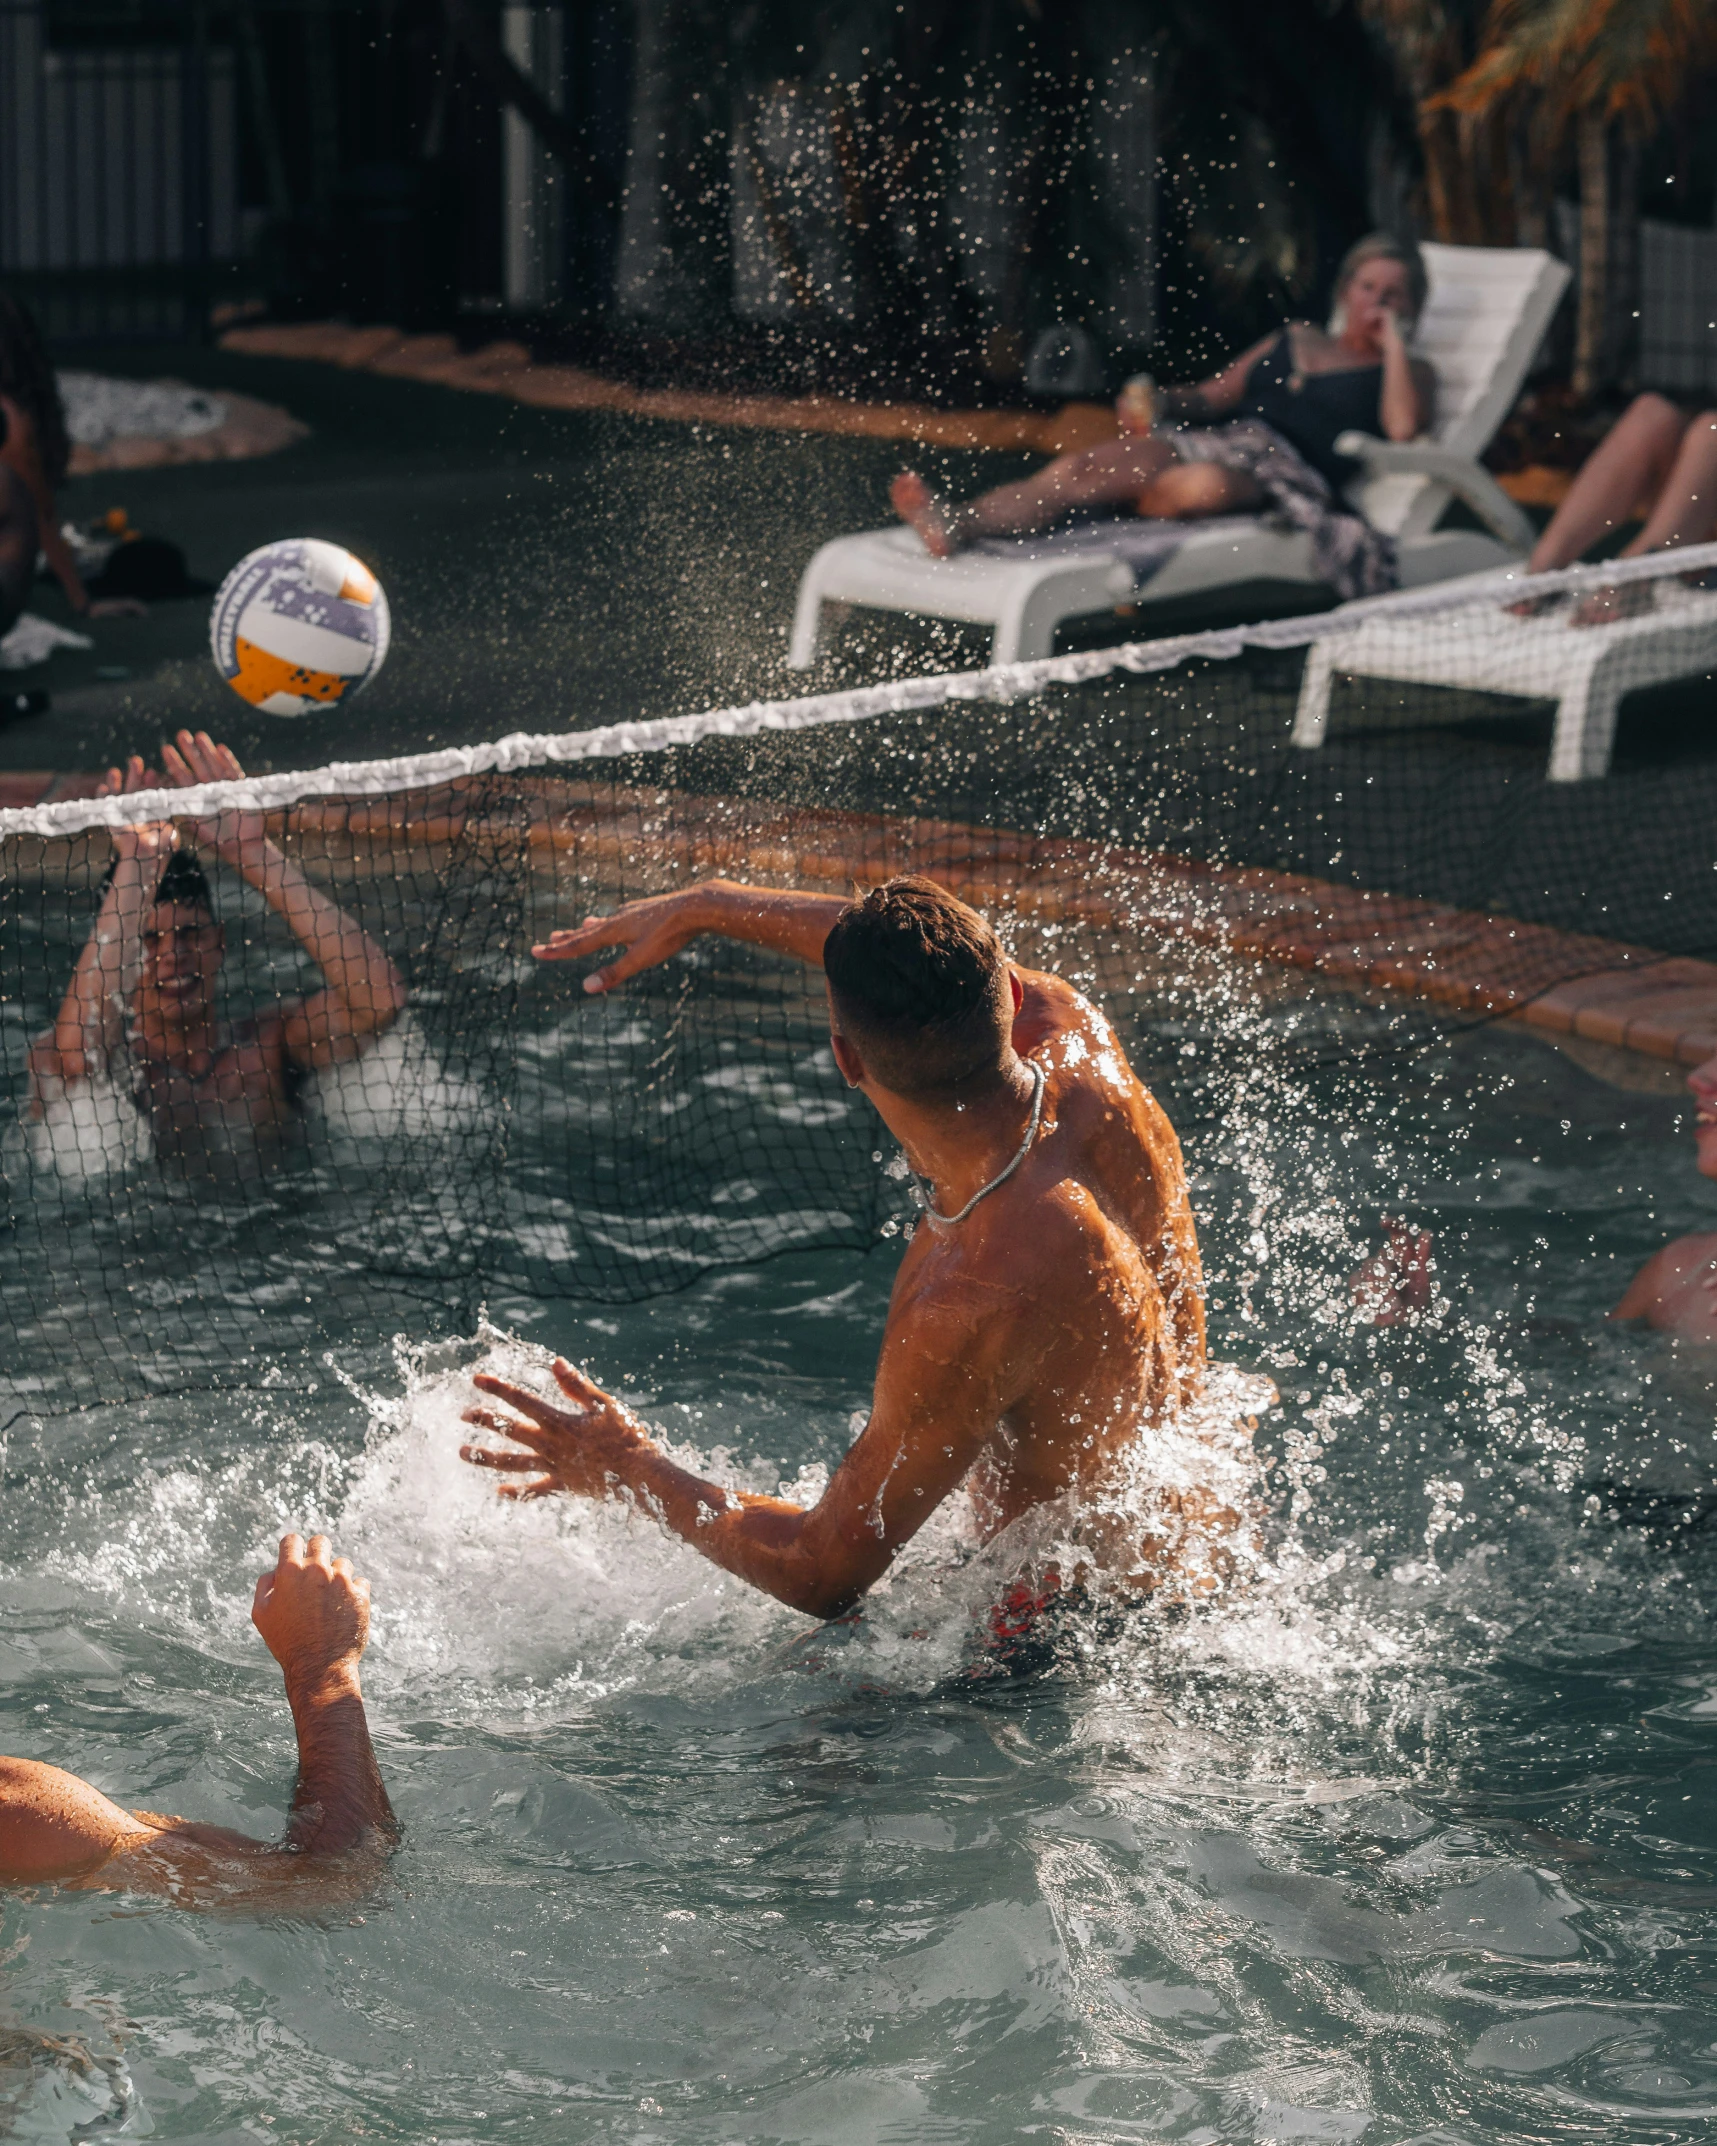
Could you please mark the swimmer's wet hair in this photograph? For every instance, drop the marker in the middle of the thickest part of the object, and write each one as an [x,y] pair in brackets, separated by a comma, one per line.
[920,984]
[182,881]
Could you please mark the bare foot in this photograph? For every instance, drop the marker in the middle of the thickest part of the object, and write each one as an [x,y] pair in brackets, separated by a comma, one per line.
[1606,607]
[915,503]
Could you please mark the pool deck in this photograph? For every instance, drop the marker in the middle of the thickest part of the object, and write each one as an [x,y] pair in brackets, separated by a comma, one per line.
[1632,998]
[507,368]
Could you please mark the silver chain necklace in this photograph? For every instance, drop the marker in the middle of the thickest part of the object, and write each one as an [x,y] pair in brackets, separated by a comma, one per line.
[927,1192]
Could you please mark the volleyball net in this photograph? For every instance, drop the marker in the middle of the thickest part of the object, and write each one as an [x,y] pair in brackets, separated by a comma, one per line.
[369,1109]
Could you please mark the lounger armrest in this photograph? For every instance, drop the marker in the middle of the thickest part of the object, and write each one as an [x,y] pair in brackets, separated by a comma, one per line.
[1473,486]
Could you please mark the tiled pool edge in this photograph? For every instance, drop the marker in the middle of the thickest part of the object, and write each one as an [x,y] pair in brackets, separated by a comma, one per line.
[1632,998]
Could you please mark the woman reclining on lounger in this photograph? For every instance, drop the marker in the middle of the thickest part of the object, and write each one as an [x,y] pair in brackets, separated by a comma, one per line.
[1260,434]
[1657,456]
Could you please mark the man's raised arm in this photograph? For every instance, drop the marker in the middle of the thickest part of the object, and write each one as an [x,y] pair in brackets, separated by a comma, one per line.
[314,1614]
[655,929]
[89,1028]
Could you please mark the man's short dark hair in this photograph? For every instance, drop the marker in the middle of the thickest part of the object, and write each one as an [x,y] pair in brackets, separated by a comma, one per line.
[182,881]
[920,984]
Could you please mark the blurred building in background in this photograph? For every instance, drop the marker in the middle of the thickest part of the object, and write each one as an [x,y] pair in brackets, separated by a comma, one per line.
[901,195]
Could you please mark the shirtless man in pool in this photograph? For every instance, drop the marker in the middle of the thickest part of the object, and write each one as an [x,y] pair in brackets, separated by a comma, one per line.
[141,1004]
[1049,1308]
[314,1616]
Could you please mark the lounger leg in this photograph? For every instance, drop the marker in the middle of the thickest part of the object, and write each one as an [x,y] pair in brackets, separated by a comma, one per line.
[804,649]
[1585,729]
[1024,632]
[1311,718]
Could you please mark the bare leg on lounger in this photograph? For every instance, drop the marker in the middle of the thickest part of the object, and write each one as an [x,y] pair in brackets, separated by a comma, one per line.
[1651,452]
[1144,474]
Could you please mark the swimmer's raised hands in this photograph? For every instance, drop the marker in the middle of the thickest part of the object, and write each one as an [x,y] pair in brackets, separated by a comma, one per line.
[144,838]
[194,759]
[577,1449]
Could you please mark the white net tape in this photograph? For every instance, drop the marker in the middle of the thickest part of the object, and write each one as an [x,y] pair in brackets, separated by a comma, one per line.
[1432,609]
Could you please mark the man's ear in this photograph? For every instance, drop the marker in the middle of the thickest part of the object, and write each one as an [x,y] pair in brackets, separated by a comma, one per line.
[1016,988]
[848,1059]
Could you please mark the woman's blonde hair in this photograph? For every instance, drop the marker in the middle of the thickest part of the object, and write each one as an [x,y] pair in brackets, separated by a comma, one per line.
[1381,246]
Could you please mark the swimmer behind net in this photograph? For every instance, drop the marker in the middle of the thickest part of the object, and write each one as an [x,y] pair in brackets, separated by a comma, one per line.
[1674,1293]
[314,1616]
[142,1005]
[1047,1315]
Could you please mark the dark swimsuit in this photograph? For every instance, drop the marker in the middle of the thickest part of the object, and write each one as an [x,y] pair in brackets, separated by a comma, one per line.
[1312,410]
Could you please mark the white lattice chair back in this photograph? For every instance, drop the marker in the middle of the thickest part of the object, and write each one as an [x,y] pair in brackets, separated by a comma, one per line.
[1485,315]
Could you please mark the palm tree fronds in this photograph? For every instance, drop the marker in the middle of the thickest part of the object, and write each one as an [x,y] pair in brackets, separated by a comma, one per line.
[1633,60]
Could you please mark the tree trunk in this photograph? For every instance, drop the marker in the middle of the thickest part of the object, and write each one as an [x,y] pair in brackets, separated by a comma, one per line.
[515,90]
[1593,144]
[265,130]
[1622,313]
[676,240]
[323,89]
[1443,191]
[1526,184]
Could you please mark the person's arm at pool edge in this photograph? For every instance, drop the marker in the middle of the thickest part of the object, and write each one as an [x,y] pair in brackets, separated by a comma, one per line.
[940,1388]
[782,920]
[313,1614]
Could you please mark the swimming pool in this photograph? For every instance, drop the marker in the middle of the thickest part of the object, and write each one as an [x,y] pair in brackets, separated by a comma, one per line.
[1411,1840]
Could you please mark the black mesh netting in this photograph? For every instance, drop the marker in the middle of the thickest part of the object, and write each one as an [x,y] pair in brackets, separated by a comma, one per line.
[1159,833]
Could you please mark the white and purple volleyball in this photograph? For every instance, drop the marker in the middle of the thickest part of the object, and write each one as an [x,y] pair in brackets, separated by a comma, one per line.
[298,626]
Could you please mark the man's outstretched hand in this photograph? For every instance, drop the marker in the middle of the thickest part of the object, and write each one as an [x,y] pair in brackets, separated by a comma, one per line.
[1395,1282]
[579,1449]
[314,1615]
[650,932]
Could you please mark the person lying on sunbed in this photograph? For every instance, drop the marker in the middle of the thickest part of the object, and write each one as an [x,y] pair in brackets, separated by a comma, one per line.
[1656,458]
[142,1006]
[314,1616]
[1259,434]
[1675,1291]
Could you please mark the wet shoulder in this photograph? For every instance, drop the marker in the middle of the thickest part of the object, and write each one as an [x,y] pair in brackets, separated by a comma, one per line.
[1686,1262]
[1059,1029]
[1059,1026]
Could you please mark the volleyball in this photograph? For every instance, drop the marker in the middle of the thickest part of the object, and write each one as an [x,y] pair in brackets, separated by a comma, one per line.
[298,626]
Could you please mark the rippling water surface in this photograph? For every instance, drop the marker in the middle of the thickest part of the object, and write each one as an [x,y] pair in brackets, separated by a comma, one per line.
[1414,1839]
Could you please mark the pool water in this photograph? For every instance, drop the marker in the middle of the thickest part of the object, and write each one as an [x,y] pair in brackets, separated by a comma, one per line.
[1413,1839]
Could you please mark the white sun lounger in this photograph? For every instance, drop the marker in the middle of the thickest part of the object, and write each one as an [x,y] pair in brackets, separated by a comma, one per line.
[1585,670]
[1483,321]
